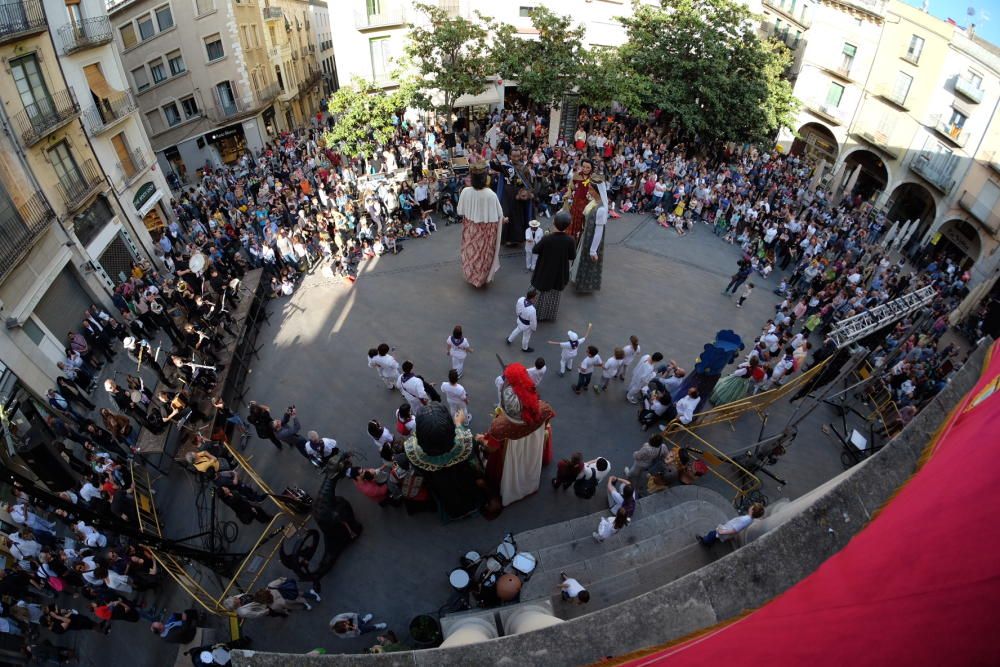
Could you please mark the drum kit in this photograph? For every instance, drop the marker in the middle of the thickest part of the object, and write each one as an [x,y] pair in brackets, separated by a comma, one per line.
[492,579]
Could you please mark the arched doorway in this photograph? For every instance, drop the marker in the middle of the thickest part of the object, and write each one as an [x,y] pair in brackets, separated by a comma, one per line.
[959,240]
[912,201]
[865,175]
[816,141]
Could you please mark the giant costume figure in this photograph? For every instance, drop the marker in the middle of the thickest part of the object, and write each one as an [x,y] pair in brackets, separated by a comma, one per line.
[447,456]
[519,440]
[589,263]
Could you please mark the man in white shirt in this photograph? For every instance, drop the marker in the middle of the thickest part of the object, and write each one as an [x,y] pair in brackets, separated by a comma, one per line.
[572,590]
[537,372]
[687,405]
[527,320]
[412,387]
[732,528]
[318,449]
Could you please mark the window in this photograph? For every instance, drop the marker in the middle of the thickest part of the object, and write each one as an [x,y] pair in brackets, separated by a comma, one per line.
[164,19]
[901,88]
[795,42]
[975,79]
[374,7]
[213,47]
[379,48]
[128,165]
[127,33]
[848,57]
[256,36]
[227,100]
[281,80]
[914,50]
[171,113]
[32,89]
[155,121]
[146,29]
[157,70]
[957,120]
[190,107]
[176,62]
[204,6]
[834,95]
[140,78]
[525,12]
[245,34]
[65,166]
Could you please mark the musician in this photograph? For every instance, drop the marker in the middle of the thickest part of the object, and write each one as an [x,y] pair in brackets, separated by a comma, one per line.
[199,341]
[191,372]
[142,354]
[178,404]
[162,319]
[517,189]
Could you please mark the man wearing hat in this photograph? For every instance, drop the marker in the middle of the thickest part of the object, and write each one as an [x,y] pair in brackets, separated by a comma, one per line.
[532,235]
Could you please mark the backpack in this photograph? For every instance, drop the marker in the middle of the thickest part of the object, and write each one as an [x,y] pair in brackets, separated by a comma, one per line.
[586,487]
[289,589]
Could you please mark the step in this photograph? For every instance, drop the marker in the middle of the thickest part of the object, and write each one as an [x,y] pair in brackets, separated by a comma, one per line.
[609,591]
[537,539]
[587,560]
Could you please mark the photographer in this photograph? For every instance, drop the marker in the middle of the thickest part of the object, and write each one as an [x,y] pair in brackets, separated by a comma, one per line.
[287,430]
[260,417]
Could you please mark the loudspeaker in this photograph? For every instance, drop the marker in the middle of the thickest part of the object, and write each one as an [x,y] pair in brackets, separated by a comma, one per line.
[38,455]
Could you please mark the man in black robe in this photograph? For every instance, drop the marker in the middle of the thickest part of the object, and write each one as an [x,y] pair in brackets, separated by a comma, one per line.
[516,190]
[556,252]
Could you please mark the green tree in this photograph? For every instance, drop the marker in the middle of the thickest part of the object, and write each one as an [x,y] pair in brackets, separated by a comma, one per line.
[364,116]
[451,55]
[709,72]
[605,78]
[547,68]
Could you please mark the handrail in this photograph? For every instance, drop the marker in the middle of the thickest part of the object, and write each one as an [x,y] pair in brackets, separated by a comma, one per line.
[741,490]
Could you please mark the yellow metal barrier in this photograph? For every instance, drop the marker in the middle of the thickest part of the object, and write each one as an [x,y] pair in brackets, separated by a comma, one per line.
[749,481]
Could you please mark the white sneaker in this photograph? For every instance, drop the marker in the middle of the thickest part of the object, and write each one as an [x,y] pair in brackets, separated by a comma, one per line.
[315,595]
[308,606]
[597,538]
[367,617]
[626,471]
[381,626]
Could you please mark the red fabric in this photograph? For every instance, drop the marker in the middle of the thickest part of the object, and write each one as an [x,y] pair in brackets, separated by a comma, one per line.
[524,388]
[917,586]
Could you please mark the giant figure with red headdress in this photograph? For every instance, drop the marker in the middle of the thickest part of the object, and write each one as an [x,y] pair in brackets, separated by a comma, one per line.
[519,440]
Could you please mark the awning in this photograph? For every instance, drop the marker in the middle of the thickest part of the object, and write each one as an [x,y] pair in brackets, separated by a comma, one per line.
[98,84]
[492,95]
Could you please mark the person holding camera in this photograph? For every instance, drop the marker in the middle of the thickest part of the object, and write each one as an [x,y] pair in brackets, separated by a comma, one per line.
[260,417]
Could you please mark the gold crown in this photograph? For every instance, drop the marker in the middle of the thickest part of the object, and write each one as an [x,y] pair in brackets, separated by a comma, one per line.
[478,168]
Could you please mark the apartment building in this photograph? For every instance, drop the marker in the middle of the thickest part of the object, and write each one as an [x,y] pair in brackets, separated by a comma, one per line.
[84,43]
[221,84]
[901,108]
[66,236]
[289,38]
[319,16]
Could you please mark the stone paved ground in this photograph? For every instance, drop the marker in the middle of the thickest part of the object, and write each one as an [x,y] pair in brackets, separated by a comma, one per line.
[661,287]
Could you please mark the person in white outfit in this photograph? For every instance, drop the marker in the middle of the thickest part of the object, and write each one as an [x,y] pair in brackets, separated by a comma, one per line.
[384,364]
[527,320]
[632,350]
[412,387]
[456,396]
[458,348]
[532,235]
[643,372]
[569,348]
[610,525]
[537,372]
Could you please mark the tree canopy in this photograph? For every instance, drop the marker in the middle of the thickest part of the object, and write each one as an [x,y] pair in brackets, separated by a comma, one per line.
[709,72]
[451,55]
[364,116]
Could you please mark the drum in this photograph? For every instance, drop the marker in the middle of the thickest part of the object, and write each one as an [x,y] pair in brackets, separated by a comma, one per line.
[459,579]
[493,565]
[506,551]
[198,262]
[471,558]
[524,563]
[508,587]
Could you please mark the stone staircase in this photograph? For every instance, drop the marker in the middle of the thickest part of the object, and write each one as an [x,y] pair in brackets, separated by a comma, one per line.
[658,547]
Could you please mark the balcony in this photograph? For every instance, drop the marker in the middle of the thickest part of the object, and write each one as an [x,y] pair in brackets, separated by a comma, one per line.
[281,53]
[389,17]
[980,211]
[267,94]
[108,112]
[131,169]
[937,175]
[949,131]
[889,94]
[273,14]
[968,90]
[827,112]
[47,115]
[223,110]
[798,17]
[77,187]
[19,231]
[842,73]
[879,140]
[79,35]
[20,19]
[994,160]
[311,80]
